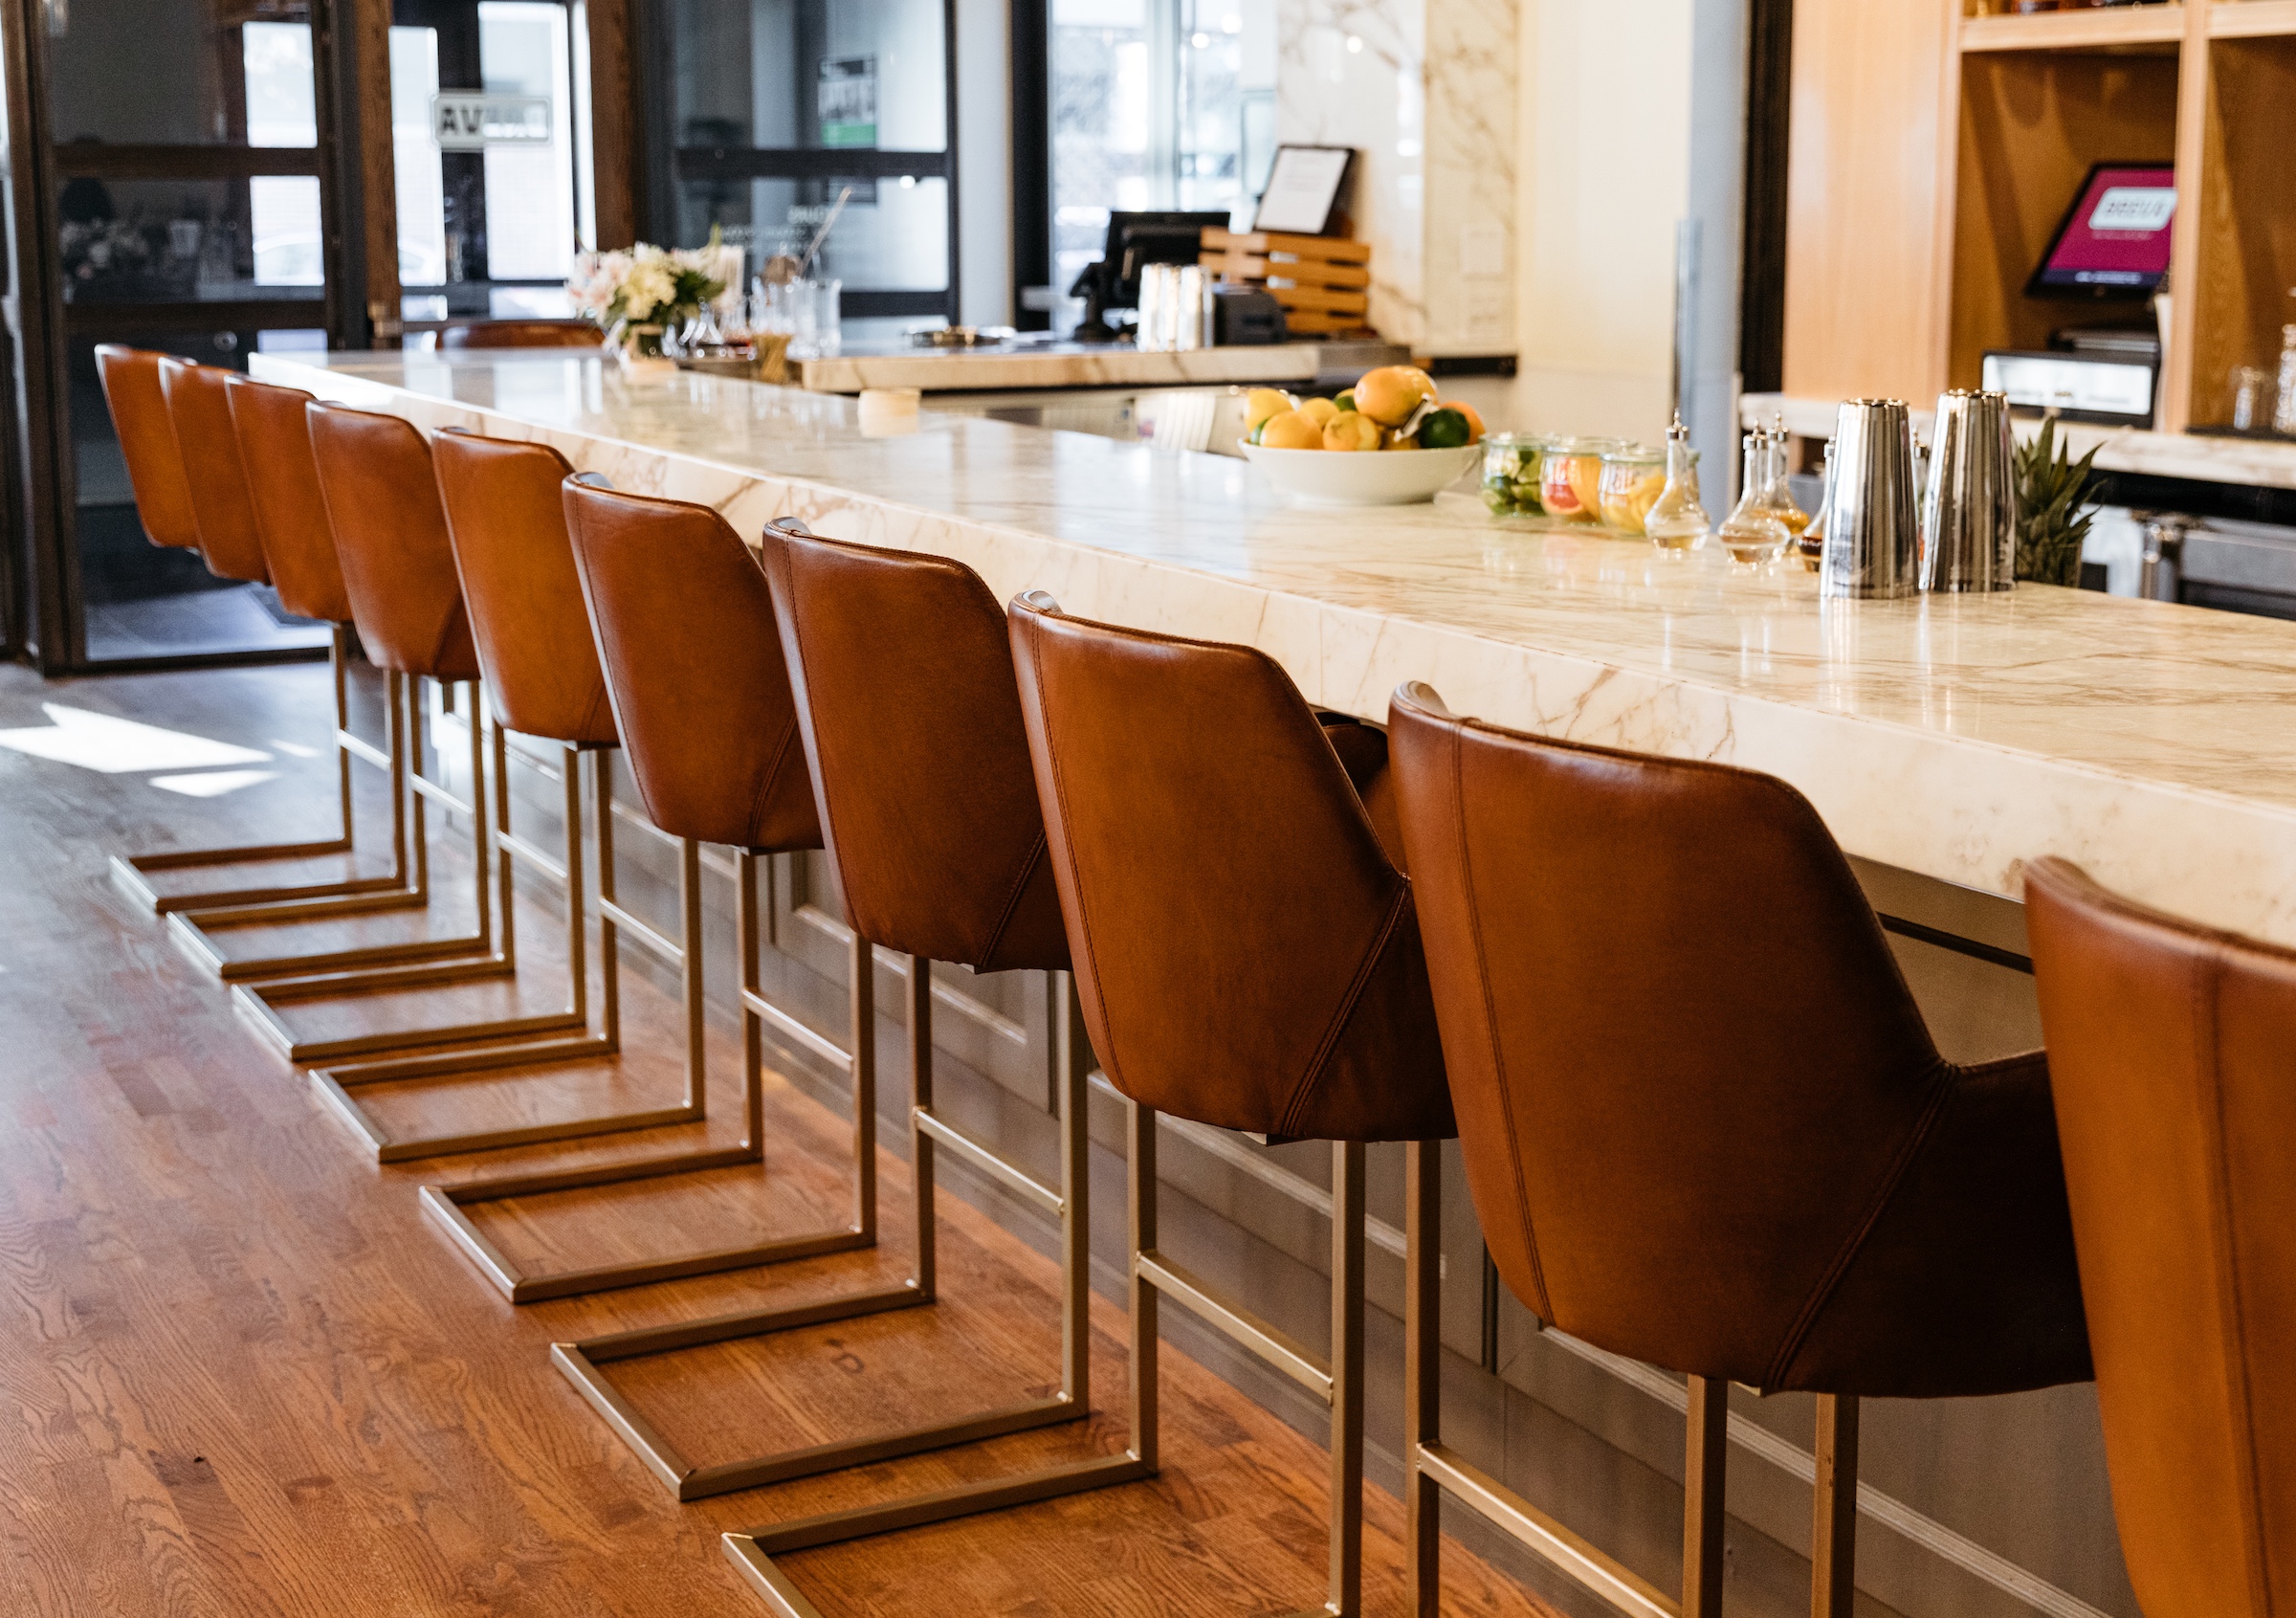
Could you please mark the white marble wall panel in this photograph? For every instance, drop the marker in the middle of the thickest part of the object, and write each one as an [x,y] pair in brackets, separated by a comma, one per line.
[1958,737]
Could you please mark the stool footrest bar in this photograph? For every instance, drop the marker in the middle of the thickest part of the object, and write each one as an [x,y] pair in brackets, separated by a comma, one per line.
[1536,1531]
[820,1044]
[1277,1347]
[974,1152]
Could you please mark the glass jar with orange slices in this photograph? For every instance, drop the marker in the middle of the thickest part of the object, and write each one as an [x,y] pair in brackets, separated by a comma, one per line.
[1570,478]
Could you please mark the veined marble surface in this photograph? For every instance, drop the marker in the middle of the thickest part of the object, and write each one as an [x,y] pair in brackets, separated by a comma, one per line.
[1957,737]
[1059,366]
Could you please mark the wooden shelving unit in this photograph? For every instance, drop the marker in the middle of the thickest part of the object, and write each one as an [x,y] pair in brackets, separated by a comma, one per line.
[1900,273]
[2103,28]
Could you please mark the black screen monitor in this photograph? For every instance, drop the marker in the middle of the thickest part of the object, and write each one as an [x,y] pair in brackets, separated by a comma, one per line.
[2114,241]
[1135,240]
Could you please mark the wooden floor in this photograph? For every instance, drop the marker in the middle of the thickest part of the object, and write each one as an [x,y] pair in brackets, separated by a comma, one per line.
[243,1376]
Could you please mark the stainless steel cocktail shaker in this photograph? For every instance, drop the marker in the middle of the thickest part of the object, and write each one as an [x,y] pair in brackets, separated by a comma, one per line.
[1969,511]
[1872,537]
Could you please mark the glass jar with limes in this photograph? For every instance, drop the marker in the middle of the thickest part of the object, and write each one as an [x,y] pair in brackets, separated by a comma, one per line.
[1511,463]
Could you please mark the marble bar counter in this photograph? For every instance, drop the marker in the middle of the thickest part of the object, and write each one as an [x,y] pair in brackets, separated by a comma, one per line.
[1955,738]
[1070,364]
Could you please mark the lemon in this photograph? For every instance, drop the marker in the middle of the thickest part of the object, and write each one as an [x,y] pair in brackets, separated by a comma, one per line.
[1261,403]
[1319,411]
[1346,401]
[1290,431]
[1351,430]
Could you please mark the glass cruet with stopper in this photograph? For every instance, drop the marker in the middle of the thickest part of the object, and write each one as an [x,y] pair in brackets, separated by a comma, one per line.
[1780,496]
[1677,523]
[1753,532]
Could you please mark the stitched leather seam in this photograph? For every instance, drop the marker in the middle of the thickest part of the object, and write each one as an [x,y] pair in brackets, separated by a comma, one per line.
[1940,1092]
[1490,1018]
[1060,797]
[1346,1008]
[1012,899]
[2207,1017]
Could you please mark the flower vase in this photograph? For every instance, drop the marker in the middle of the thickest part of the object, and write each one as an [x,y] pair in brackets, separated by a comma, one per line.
[642,355]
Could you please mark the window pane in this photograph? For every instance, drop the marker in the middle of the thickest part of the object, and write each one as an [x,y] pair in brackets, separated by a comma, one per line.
[285,211]
[280,111]
[810,74]
[1100,125]
[160,72]
[148,241]
[893,237]
[414,155]
[529,189]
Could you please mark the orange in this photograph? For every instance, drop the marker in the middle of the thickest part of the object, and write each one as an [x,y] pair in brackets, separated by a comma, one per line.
[1289,430]
[1389,394]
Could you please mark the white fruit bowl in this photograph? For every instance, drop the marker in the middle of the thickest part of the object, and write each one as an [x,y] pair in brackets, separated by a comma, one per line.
[1362,477]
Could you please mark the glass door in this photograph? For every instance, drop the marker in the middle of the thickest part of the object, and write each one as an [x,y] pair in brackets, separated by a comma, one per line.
[767,110]
[179,198]
[490,150]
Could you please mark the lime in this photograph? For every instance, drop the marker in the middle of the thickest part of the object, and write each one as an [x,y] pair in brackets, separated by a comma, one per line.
[1346,401]
[1446,428]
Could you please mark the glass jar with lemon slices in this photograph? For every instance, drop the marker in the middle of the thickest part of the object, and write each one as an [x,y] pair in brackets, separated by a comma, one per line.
[1632,477]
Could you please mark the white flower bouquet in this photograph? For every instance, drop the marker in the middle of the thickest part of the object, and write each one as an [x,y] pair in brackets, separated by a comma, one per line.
[645,286]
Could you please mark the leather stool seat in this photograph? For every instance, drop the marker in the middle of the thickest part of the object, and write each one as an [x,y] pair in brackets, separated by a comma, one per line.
[1703,1123]
[1247,956]
[2170,1047]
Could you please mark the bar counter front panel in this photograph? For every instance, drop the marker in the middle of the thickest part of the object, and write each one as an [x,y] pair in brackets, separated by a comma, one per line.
[1944,742]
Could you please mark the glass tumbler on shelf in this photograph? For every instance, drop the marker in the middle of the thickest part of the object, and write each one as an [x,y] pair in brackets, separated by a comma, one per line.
[1511,462]
[1632,477]
[1570,478]
[1676,521]
[2283,409]
[1753,532]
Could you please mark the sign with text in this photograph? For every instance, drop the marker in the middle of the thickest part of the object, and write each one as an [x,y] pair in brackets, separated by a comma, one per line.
[472,120]
[847,95]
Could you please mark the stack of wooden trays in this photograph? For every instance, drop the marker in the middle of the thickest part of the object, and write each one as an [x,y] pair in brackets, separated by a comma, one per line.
[1323,282]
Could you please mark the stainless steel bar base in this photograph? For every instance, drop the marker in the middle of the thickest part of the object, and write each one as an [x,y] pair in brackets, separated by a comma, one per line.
[489,951]
[1431,1469]
[448,1203]
[130,871]
[583,1361]
[335,1085]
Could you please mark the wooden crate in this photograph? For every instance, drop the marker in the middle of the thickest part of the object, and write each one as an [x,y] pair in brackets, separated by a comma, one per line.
[1322,283]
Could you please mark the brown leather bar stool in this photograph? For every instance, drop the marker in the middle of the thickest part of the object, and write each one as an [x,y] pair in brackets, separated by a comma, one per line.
[912,728]
[507,522]
[2169,1055]
[174,427]
[701,701]
[398,571]
[521,334]
[1246,957]
[1705,1127]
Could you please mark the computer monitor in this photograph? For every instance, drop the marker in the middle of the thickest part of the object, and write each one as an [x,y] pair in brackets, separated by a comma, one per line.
[1137,240]
[2114,241]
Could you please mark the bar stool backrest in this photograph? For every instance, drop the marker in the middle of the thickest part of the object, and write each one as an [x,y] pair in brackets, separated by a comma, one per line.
[1246,948]
[201,415]
[391,537]
[508,523]
[693,667]
[2173,1053]
[902,675]
[155,466]
[291,513]
[521,334]
[1703,1120]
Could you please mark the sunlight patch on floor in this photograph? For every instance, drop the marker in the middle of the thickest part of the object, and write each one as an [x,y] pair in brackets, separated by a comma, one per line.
[117,746]
[215,784]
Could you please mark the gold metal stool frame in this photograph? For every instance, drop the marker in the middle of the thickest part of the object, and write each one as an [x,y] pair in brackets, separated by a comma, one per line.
[1071,1201]
[335,1085]
[446,1203]
[1338,1380]
[1431,1469]
[131,871]
[495,933]
[408,881]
